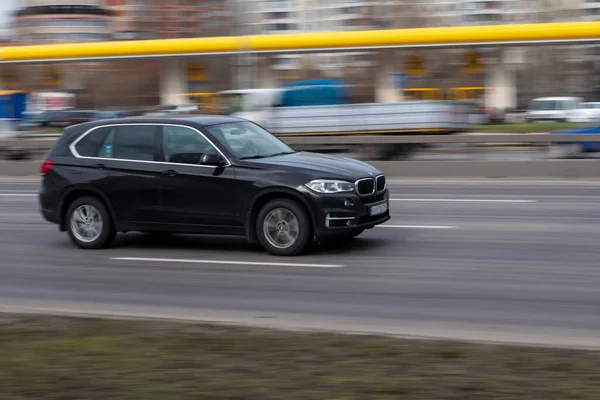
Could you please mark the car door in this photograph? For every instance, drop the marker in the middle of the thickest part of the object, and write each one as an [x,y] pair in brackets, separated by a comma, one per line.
[196,195]
[124,159]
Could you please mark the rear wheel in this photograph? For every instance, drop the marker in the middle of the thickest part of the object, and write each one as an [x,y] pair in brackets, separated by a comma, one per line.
[283,228]
[89,223]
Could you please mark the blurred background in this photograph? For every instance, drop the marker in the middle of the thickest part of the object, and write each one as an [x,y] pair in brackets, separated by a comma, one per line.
[442,89]
[429,73]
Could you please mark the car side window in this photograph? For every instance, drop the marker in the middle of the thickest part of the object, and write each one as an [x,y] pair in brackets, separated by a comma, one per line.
[136,142]
[90,144]
[184,145]
[107,148]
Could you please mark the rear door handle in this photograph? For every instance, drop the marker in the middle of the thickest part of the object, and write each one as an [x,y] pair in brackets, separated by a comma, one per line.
[99,166]
[170,172]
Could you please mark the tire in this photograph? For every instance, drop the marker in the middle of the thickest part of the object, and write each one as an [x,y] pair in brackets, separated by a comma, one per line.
[85,237]
[277,221]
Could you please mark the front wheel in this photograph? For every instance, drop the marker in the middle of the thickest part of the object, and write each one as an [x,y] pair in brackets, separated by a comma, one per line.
[283,228]
[89,223]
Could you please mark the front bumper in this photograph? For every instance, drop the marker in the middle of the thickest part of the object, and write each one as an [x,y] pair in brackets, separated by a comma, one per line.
[342,212]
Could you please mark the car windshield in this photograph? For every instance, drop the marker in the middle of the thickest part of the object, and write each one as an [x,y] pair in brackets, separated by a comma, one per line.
[546,105]
[246,140]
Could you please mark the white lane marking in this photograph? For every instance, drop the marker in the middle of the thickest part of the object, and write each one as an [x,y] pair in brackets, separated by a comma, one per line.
[466,200]
[18,195]
[418,226]
[193,261]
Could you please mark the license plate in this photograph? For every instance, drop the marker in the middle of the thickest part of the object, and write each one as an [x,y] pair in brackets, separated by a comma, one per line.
[378,209]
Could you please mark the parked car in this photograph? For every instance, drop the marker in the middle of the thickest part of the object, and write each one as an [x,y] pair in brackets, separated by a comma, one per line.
[50,118]
[587,112]
[557,109]
[111,114]
[214,175]
[11,147]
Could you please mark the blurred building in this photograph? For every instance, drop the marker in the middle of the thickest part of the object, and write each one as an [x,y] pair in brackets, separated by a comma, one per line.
[437,12]
[590,10]
[171,19]
[294,16]
[490,12]
[163,19]
[46,21]
[58,21]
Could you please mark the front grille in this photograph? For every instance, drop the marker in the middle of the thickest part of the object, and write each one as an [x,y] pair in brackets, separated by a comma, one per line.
[365,187]
[376,198]
[381,183]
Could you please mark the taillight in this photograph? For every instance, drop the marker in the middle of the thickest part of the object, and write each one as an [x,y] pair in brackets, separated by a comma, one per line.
[46,167]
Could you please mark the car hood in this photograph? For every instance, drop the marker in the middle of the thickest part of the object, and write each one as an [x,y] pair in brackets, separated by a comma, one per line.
[325,166]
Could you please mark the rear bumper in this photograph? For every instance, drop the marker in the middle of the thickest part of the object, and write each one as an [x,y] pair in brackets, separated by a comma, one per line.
[47,210]
[49,215]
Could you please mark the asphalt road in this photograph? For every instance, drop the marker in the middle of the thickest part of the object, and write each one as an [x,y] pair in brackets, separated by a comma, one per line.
[481,260]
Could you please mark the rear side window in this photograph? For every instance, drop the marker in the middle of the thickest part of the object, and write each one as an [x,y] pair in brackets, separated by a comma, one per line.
[127,142]
[136,142]
[90,144]
[107,148]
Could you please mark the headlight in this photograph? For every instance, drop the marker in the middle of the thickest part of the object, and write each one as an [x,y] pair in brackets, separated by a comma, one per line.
[330,186]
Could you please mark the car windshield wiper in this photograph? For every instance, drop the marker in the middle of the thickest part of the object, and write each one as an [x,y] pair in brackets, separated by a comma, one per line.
[267,155]
[254,157]
[283,153]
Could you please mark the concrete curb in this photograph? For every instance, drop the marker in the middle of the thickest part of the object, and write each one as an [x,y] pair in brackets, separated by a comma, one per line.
[565,169]
[412,330]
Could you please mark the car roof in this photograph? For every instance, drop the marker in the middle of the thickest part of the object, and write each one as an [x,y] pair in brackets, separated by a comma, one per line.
[204,120]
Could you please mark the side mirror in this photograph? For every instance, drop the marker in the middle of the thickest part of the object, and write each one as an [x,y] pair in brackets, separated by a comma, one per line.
[211,159]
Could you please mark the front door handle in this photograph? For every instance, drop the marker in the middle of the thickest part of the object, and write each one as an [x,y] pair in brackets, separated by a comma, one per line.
[99,166]
[169,172]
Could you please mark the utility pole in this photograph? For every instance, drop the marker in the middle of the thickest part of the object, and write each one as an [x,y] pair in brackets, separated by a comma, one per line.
[244,62]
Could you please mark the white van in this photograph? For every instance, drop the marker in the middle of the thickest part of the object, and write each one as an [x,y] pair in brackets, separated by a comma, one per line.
[587,112]
[559,109]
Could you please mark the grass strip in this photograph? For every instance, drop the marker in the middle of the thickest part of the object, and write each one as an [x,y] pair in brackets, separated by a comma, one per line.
[525,128]
[70,358]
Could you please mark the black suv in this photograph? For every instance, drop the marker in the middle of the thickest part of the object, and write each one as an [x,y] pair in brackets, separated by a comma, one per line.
[212,175]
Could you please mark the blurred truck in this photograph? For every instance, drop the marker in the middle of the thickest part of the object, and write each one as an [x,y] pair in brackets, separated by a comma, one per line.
[324,108]
[12,104]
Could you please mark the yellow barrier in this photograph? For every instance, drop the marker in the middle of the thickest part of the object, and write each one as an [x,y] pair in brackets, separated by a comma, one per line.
[471,35]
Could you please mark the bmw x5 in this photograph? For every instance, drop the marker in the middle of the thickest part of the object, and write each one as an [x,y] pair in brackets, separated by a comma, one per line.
[205,175]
